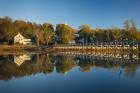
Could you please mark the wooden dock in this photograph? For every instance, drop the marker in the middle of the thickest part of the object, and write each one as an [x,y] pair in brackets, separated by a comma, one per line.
[99,47]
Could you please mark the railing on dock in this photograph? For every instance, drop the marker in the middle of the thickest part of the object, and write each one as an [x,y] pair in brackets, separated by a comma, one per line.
[104,46]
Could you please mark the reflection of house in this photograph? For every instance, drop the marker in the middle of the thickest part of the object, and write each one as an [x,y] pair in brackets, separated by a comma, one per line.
[21,59]
[21,40]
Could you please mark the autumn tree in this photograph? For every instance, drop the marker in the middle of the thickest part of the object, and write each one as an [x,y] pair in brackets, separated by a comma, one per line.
[64,33]
[44,34]
[99,35]
[130,27]
[7,29]
[48,33]
[117,34]
[85,32]
[38,33]
[25,28]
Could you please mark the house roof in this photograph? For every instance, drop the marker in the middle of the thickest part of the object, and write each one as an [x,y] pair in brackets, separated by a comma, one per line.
[19,35]
[22,35]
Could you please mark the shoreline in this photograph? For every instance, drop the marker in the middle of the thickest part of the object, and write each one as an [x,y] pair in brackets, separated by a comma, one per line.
[20,49]
[62,48]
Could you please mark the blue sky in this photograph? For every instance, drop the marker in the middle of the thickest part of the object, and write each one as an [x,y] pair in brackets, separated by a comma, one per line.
[96,13]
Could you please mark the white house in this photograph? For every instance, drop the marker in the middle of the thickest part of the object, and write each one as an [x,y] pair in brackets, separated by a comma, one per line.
[21,39]
[72,42]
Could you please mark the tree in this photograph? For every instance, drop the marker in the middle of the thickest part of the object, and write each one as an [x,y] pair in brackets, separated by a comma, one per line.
[130,27]
[48,32]
[85,33]
[138,35]
[93,35]
[37,28]
[25,28]
[99,35]
[133,30]
[127,25]
[117,34]
[64,33]
[7,29]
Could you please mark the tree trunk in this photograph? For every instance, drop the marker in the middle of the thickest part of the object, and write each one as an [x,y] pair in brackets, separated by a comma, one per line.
[8,41]
[37,41]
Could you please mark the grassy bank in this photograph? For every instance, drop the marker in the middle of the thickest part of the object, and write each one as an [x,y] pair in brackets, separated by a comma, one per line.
[21,49]
[15,47]
[10,49]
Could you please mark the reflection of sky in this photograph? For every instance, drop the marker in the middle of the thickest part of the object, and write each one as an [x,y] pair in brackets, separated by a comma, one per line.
[98,80]
[97,13]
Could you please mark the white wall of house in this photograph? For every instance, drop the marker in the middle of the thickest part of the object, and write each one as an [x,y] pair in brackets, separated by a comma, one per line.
[72,42]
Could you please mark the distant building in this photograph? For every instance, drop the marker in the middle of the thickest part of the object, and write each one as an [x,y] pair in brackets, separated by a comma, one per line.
[21,39]
[72,42]
[78,39]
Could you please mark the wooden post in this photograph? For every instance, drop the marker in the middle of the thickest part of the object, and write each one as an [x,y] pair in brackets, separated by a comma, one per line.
[138,44]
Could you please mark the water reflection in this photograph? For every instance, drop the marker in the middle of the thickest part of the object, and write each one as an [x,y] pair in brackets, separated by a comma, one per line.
[21,59]
[62,62]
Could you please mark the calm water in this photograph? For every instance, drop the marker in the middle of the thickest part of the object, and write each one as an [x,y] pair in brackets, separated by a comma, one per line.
[69,73]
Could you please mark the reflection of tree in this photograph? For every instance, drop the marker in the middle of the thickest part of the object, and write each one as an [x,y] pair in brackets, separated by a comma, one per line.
[64,63]
[85,64]
[44,62]
[130,70]
[106,64]
[8,69]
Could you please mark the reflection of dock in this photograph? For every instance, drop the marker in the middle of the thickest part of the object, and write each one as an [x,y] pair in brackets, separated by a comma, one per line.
[105,56]
[21,59]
